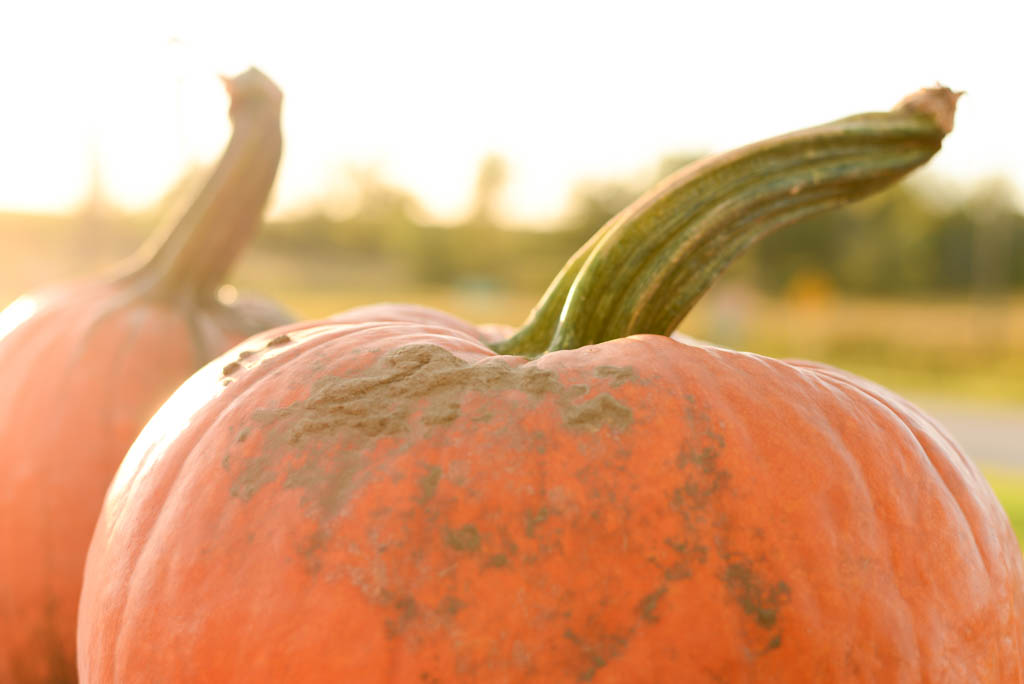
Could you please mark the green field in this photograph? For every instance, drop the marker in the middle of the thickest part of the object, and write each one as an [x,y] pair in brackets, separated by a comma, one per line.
[1008,485]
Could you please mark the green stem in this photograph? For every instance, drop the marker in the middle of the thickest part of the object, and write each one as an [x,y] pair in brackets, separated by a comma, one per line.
[645,269]
[191,258]
[533,338]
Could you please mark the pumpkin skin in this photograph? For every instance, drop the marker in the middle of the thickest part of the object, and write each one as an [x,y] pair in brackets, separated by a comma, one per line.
[391,501]
[85,365]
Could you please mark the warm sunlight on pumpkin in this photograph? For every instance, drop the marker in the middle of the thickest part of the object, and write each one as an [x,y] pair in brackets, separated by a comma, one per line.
[86,364]
[19,311]
[172,418]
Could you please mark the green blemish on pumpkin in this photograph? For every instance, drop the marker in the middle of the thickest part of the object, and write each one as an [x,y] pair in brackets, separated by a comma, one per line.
[279,340]
[429,482]
[747,589]
[704,457]
[648,604]
[699,491]
[700,486]
[407,607]
[265,415]
[603,409]
[442,413]
[255,473]
[465,538]
[598,650]
[450,605]
[329,484]
[498,560]
[697,552]
[534,519]
[406,394]
[311,548]
[425,383]
[596,661]
[617,374]
[677,571]
[407,611]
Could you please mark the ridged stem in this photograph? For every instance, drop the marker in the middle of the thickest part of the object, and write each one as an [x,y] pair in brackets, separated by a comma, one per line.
[533,338]
[191,258]
[648,266]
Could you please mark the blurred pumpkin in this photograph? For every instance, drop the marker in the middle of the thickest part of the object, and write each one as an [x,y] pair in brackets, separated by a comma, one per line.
[84,366]
[394,495]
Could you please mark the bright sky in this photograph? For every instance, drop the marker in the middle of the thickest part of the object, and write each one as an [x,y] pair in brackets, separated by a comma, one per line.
[422,91]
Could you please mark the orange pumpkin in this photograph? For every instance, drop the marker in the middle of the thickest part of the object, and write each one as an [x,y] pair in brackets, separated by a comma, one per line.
[84,366]
[384,497]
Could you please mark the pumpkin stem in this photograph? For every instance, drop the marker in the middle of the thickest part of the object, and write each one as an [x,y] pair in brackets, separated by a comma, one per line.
[649,265]
[192,256]
[533,338]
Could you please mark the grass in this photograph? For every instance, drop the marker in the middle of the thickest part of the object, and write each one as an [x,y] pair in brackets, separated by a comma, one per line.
[956,348]
[1008,484]
[960,348]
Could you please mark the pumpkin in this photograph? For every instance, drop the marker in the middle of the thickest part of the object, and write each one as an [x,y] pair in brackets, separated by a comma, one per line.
[395,495]
[84,366]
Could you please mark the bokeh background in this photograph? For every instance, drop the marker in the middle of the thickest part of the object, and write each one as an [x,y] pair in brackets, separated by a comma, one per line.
[455,154]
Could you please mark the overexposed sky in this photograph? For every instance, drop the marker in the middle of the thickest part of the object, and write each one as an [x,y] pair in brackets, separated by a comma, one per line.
[422,91]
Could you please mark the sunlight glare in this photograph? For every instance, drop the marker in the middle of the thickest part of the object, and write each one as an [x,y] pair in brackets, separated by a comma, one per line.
[227,294]
[169,422]
[16,313]
[178,413]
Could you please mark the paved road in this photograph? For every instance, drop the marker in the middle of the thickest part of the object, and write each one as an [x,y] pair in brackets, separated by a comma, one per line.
[991,435]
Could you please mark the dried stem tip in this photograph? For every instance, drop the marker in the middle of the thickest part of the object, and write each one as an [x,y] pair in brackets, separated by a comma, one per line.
[938,102]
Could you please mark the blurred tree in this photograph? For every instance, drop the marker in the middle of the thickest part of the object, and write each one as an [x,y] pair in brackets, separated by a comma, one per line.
[996,221]
[897,243]
[901,243]
[490,183]
[94,214]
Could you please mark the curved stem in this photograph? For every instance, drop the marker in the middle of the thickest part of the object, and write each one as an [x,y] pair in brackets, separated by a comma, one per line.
[533,338]
[192,257]
[645,269]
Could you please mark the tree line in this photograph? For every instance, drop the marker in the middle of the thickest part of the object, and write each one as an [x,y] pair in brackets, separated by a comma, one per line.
[909,240]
